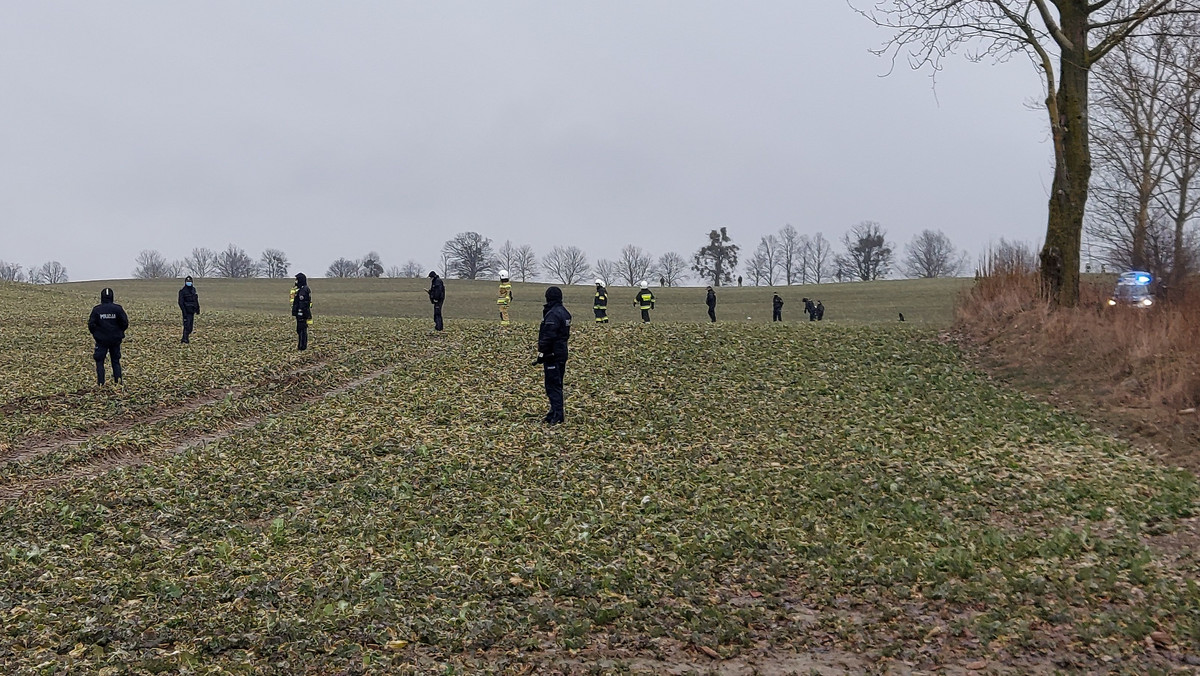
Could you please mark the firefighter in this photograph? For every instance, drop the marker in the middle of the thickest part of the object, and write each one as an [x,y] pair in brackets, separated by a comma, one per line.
[553,335]
[645,301]
[600,303]
[506,297]
[107,324]
[302,310]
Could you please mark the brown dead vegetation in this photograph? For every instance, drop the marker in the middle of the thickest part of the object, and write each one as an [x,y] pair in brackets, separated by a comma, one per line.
[1136,371]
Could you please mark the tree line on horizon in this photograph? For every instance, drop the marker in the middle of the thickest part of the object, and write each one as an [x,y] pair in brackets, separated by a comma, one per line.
[787,257]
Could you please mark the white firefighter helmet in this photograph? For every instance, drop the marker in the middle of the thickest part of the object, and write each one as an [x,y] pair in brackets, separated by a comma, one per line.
[504,274]
[644,284]
[599,282]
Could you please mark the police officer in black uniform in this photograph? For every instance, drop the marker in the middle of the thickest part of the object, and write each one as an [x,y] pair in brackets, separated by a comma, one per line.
[302,309]
[711,302]
[189,305]
[777,308]
[437,296]
[552,351]
[107,325]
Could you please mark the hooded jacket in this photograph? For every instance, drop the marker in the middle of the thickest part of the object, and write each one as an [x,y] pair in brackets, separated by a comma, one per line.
[189,300]
[302,302]
[711,299]
[108,320]
[556,327]
[777,302]
[437,290]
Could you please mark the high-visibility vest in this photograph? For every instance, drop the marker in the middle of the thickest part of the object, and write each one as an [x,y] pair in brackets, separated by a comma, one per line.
[647,300]
[505,294]
[601,302]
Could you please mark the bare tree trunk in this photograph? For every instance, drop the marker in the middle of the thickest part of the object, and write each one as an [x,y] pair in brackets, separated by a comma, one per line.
[1073,163]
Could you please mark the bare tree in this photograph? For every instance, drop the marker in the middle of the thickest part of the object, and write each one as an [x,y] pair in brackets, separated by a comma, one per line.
[765,261]
[716,260]
[506,256]
[394,272]
[343,268]
[234,263]
[819,259]
[567,265]
[151,265]
[1076,33]
[525,266]
[792,248]
[11,272]
[1127,148]
[274,264]
[50,272]
[607,270]
[932,254]
[201,262]
[469,255]
[412,269]
[868,254]
[634,264]
[1180,199]
[673,267]
[372,265]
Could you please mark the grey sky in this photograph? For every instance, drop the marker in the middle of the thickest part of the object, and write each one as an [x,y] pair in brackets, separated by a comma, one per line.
[330,129]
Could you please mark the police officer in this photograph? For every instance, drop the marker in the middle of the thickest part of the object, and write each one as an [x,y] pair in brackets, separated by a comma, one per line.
[437,296]
[600,303]
[820,311]
[711,301]
[302,309]
[189,305]
[810,308]
[645,301]
[777,309]
[552,351]
[107,325]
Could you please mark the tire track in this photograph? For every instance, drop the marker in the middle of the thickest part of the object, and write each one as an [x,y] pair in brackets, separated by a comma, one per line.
[119,459]
[39,446]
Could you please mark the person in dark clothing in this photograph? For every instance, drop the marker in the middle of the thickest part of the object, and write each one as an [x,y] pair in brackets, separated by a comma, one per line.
[739,280]
[189,305]
[776,309]
[552,351]
[644,301]
[820,311]
[711,302]
[437,296]
[600,303]
[811,309]
[107,325]
[302,310]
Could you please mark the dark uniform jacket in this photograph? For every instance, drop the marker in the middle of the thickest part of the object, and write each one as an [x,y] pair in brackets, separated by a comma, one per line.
[711,301]
[777,303]
[189,300]
[302,303]
[437,291]
[108,322]
[645,299]
[555,330]
[601,300]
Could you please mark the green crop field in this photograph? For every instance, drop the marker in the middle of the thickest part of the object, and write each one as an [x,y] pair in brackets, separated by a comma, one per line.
[923,301]
[847,497]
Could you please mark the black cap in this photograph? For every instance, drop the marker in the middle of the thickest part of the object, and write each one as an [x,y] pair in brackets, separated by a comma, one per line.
[432,274]
[188,279]
[554,294]
[106,295]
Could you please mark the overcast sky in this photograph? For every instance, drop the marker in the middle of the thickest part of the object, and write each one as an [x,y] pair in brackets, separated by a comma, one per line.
[330,129]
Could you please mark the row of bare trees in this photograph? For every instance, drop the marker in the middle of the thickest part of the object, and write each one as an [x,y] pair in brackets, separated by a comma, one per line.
[232,262]
[1146,151]
[50,272]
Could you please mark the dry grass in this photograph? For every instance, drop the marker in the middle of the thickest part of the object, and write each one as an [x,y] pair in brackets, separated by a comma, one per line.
[1142,357]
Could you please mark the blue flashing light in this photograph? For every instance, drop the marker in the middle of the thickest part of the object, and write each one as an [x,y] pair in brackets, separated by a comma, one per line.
[1143,279]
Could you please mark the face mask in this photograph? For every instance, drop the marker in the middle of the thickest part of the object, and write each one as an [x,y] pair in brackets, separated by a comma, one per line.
[188,283]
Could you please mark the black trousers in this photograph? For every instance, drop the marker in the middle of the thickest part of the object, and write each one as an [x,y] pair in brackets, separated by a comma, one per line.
[302,333]
[646,316]
[107,349]
[188,318]
[777,315]
[554,389]
[601,314]
[437,316]
[712,313]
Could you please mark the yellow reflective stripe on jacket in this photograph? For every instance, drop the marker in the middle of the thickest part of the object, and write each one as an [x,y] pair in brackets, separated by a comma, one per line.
[647,299]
